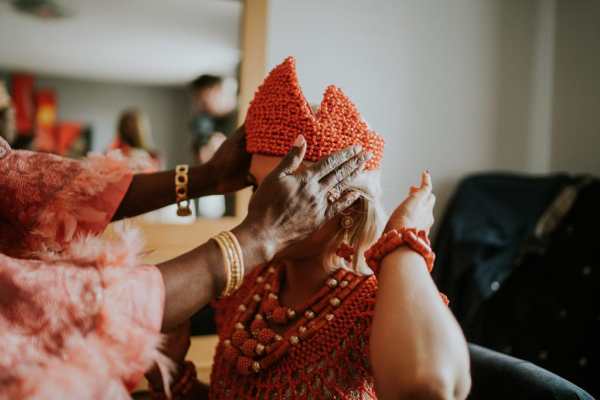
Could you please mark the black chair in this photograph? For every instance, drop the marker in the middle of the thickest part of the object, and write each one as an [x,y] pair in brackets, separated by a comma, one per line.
[496,376]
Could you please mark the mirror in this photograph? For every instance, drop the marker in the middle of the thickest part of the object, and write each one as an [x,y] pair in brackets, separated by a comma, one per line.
[157,80]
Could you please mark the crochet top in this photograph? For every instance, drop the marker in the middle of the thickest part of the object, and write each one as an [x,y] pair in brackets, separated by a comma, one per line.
[332,364]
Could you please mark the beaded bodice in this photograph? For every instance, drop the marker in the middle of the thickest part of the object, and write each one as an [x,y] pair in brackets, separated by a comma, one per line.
[324,356]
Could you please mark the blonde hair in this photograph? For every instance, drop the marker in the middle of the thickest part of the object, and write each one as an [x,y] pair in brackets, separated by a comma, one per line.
[369,221]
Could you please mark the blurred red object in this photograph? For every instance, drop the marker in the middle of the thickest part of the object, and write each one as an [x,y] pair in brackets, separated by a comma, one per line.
[22,98]
[66,133]
[45,120]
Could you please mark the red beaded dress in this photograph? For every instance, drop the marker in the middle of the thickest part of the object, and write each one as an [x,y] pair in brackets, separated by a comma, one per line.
[325,357]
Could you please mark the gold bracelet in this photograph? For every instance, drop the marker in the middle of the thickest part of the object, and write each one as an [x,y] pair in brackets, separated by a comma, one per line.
[233,261]
[238,270]
[226,264]
[238,264]
[181,190]
[232,264]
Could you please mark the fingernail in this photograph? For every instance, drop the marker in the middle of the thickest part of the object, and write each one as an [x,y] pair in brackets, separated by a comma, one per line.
[299,141]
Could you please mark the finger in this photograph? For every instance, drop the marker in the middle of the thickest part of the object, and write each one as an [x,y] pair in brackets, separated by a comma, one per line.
[351,167]
[343,203]
[426,181]
[293,158]
[330,163]
[425,187]
[345,184]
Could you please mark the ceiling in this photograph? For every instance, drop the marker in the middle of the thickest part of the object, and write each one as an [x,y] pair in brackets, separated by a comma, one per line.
[163,42]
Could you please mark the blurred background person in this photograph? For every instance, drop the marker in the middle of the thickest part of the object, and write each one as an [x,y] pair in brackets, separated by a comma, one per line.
[215,115]
[214,110]
[7,116]
[134,139]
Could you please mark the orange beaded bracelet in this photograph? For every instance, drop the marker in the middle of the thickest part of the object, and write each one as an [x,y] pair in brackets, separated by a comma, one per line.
[390,241]
[181,388]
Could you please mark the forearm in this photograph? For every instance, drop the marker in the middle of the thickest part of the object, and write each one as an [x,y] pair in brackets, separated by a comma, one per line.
[195,278]
[149,192]
[417,348]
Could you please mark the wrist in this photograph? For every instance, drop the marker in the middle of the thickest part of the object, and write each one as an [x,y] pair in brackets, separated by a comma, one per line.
[398,224]
[258,244]
[204,180]
[391,241]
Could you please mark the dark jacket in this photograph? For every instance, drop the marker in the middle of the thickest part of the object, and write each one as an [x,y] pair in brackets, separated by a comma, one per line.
[529,295]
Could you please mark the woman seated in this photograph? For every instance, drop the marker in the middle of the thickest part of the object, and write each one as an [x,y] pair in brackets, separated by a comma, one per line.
[341,315]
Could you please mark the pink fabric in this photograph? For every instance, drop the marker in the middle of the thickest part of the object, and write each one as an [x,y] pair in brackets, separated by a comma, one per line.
[80,316]
[46,201]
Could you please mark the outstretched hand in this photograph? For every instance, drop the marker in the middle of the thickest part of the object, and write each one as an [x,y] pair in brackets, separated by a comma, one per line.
[290,203]
[416,211]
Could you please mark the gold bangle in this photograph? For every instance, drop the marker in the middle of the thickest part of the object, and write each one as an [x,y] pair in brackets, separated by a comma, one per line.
[181,190]
[226,264]
[233,261]
[237,270]
[231,264]
[238,264]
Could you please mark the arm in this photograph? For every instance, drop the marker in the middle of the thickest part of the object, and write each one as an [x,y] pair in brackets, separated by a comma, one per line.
[417,348]
[286,207]
[193,279]
[226,172]
[149,192]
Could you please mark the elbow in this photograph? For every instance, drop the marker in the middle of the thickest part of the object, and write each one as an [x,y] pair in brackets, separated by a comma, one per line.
[439,385]
[434,384]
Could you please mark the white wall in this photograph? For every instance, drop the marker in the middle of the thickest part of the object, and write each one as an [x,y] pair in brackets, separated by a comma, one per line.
[454,86]
[100,103]
[576,113]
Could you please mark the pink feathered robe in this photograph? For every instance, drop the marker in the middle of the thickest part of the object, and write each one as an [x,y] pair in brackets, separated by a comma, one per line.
[80,317]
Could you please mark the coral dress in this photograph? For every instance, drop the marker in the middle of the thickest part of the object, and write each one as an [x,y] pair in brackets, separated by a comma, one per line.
[332,364]
[80,317]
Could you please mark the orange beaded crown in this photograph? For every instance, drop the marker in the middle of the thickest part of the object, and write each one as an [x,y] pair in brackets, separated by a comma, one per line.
[279,113]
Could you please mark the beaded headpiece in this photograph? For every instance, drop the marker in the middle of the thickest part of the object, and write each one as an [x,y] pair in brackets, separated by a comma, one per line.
[279,113]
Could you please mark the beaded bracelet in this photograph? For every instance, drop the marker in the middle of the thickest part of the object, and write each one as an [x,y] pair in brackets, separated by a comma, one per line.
[390,241]
[181,388]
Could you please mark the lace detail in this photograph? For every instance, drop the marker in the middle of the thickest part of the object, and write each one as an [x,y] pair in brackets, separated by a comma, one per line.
[333,364]
[46,200]
[80,325]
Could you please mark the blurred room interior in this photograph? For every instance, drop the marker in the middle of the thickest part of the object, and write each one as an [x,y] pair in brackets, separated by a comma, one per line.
[499,99]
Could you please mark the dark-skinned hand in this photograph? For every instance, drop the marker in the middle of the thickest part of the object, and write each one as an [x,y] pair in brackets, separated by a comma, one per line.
[290,204]
[230,163]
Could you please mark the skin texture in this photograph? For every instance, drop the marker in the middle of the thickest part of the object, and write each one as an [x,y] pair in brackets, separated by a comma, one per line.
[417,348]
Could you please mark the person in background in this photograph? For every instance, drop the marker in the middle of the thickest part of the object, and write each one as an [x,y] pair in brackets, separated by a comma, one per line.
[134,140]
[215,115]
[7,114]
[214,118]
